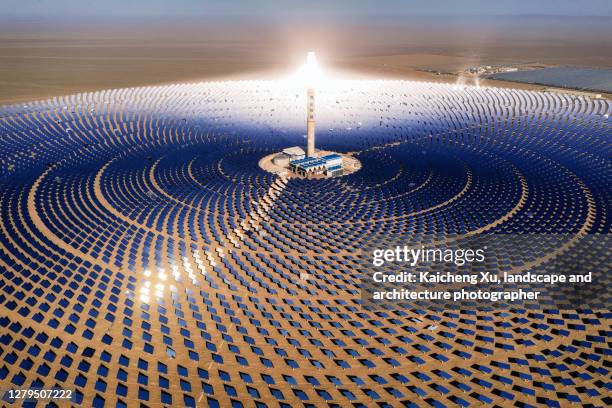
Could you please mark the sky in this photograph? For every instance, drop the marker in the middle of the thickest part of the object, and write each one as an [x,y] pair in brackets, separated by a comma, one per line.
[340,9]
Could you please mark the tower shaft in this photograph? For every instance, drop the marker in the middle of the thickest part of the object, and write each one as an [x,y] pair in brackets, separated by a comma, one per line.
[310,123]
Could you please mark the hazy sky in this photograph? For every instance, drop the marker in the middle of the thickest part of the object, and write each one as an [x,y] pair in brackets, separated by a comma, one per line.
[297,9]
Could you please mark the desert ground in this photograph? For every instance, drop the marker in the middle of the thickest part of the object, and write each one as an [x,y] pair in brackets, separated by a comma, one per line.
[41,59]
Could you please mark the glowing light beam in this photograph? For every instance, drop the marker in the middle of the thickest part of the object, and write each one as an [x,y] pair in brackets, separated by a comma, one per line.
[310,74]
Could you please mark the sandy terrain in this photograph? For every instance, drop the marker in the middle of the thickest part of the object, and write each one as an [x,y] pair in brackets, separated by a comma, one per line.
[38,60]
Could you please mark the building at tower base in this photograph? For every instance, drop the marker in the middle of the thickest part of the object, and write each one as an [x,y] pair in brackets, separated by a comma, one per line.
[329,165]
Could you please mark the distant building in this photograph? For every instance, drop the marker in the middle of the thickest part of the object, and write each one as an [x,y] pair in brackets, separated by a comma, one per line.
[332,159]
[329,165]
[294,153]
[307,166]
[333,165]
[281,160]
[334,171]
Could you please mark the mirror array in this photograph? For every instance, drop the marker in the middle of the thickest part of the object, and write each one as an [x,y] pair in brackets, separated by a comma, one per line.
[147,260]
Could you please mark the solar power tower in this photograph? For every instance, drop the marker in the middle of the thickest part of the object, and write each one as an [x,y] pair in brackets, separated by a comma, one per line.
[310,107]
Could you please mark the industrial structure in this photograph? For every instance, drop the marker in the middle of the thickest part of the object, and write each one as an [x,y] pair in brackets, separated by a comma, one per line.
[329,165]
[310,109]
[312,163]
